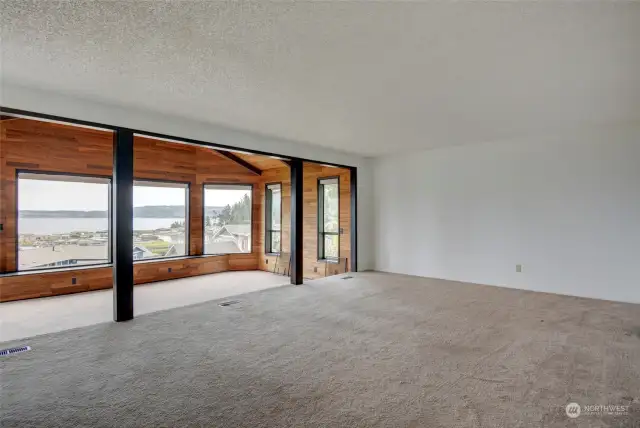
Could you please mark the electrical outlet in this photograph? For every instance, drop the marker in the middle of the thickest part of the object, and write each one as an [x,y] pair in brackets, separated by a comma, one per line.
[519,268]
[266,261]
[315,268]
[170,269]
[73,281]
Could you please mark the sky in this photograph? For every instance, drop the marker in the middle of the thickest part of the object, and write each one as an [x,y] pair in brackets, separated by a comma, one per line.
[73,196]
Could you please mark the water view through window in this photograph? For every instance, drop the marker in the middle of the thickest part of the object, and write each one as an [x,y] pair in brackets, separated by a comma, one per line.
[160,221]
[63,220]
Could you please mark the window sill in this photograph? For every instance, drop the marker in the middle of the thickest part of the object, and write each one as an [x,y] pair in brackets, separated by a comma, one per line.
[55,270]
[272,254]
[163,259]
[226,254]
[109,265]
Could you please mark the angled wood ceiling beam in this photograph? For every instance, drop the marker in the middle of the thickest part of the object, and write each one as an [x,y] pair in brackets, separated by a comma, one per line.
[5,118]
[240,161]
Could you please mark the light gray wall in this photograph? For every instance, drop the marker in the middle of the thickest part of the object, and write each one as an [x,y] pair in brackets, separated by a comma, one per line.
[40,101]
[567,208]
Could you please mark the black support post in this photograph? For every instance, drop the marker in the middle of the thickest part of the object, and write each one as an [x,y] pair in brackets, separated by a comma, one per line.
[122,225]
[354,219]
[296,221]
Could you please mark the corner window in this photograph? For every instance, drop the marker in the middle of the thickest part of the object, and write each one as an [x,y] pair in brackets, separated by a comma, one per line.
[227,218]
[328,218]
[273,209]
[63,220]
[160,220]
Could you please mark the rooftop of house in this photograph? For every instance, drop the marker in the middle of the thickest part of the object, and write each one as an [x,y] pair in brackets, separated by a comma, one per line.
[223,246]
[236,229]
[38,256]
[42,256]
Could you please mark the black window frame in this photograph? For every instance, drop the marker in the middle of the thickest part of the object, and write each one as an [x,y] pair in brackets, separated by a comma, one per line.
[187,243]
[107,178]
[204,217]
[268,232]
[320,223]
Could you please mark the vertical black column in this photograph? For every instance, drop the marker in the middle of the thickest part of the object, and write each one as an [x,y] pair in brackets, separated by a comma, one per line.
[296,221]
[122,225]
[354,219]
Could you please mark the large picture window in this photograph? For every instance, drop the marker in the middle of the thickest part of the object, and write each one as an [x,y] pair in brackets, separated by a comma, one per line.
[63,220]
[273,220]
[328,219]
[227,218]
[160,220]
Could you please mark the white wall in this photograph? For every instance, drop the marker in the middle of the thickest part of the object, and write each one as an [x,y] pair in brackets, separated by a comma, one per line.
[32,99]
[566,208]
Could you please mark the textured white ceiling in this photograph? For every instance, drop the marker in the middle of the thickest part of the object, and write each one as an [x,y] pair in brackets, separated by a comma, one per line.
[363,77]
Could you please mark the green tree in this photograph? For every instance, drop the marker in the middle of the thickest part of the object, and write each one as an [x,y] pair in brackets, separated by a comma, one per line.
[241,211]
[225,215]
[238,213]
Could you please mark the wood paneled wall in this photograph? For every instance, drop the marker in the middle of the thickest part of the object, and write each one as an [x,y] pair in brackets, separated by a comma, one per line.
[280,175]
[312,172]
[42,146]
[155,159]
[27,286]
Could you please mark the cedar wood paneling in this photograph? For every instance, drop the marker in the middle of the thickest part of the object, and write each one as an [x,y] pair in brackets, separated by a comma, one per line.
[42,146]
[312,172]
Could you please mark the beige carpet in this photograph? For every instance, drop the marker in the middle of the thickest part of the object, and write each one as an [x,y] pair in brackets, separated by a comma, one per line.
[26,318]
[377,350]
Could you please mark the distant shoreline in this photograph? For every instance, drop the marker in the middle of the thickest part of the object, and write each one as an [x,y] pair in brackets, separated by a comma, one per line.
[155,211]
[89,216]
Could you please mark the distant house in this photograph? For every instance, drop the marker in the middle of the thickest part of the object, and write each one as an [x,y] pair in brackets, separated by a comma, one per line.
[140,252]
[238,234]
[176,250]
[62,255]
[71,255]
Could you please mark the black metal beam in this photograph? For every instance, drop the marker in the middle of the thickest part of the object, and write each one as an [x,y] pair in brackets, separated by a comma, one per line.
[296,221]
[239,161]
[122,226]
[354,218]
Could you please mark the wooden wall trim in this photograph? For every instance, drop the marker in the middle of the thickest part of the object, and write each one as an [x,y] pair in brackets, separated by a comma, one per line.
[55,283]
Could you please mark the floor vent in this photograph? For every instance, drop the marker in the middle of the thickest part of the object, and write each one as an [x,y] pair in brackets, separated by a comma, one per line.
[12,351]
[229,303]
[347,277]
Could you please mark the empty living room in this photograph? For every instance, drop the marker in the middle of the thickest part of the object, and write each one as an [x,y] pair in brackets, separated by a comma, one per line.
[320,213]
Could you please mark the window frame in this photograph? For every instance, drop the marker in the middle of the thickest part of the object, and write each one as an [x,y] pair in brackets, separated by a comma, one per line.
[107,178]
[268,250]
[204,217]
[187,225]
[321,256]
